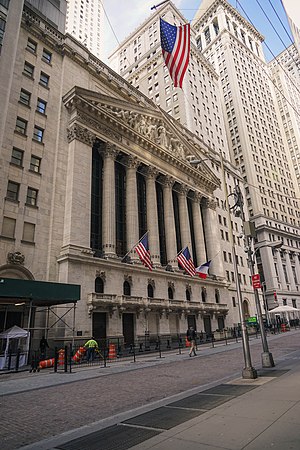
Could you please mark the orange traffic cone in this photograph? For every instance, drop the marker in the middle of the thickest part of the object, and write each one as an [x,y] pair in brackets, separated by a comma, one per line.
[61,357]
[46,363]
[112,351]
[79,354]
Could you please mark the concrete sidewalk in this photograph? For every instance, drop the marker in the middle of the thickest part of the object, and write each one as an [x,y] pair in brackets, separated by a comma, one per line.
[230,414]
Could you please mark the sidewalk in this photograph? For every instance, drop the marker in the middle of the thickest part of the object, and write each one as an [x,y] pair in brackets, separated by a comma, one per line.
[230,414]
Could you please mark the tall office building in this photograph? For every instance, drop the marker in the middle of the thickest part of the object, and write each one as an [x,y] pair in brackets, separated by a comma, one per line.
[257,143]
[285,73]
[292,11]
[228,101]
[85,22]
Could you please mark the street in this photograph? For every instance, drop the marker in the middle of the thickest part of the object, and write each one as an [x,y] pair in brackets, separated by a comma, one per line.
[31,416]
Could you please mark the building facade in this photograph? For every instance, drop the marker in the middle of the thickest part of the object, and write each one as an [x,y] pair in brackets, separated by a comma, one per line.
[89,165]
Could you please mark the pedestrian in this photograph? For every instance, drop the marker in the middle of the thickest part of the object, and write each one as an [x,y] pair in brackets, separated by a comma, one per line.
[91,346]
[43,347]
[191,337]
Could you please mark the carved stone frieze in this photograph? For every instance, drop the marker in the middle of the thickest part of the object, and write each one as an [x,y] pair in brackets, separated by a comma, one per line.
[97,125]
[15,258]
[81,134]
[209,203]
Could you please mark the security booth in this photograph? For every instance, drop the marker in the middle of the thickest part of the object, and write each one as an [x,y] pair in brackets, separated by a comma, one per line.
[38,308]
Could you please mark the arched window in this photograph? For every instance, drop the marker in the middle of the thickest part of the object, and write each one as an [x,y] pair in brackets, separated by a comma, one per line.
[170,293]
[99,285]
[126,288]
[203,295]
[188,295]
[217,295]
[150,291]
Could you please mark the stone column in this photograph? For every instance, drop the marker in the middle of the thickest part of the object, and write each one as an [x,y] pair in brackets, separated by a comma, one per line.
[280,272]
[297,267]
[77,219]
[289,271]
[212,237]
[152,217]
[109,201]
[170,223]
[198,230]
[132,218]
[184,219]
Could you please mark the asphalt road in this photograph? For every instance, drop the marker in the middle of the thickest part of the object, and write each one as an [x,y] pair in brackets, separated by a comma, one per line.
[31,416]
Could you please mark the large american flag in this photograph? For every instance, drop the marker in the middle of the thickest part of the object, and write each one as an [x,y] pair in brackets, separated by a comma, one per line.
[186,262]
[175,44]
[142,250]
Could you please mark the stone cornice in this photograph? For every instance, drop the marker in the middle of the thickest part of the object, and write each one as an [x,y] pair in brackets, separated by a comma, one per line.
[213,9]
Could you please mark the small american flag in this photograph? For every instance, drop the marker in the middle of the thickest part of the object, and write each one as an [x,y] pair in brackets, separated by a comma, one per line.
[185,260]
[175,44]
[142,250]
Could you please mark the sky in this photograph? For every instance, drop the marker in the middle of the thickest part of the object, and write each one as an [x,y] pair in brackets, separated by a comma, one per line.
[126,15]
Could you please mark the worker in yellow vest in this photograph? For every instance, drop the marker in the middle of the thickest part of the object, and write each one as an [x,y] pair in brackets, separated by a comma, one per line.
[91,345]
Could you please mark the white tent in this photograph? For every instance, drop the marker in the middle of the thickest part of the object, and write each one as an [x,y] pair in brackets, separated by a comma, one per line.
[283,309]
[21,339]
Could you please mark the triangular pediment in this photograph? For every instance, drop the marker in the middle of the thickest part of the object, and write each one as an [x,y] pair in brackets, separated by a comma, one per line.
[150,126]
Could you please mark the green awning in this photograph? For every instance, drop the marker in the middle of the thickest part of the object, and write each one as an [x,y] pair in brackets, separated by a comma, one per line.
[41,293]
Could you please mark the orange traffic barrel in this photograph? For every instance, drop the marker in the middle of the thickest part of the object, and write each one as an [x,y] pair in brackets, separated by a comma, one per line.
[79,354]
[46,363]
[112,351]
[61,357]
[187,342]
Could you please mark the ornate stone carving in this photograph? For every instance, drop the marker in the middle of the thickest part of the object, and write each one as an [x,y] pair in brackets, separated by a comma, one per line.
[101,274]
[81,134]
[109,151]
[184,189]
[171,285]
[151,282]
[128,278]
[151,172]
[209,203]
[168,181]
[15,258]
[197,197]
[132,162]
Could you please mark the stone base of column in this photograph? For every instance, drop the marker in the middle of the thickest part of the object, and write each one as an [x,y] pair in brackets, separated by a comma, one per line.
[267,360]
[249,373]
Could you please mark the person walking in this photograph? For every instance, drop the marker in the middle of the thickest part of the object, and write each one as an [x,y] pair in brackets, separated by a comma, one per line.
[91,345]
[43,347]
[191,337]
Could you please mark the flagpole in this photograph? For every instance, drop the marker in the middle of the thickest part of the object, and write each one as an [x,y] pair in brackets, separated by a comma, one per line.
[125,256]
[162,3]
[181,251]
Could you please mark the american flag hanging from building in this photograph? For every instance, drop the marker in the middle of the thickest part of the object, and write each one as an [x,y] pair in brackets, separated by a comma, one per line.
[175,44]
[185,260]
[142,249]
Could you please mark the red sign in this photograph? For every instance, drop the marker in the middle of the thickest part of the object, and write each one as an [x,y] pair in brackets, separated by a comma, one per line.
[256,281]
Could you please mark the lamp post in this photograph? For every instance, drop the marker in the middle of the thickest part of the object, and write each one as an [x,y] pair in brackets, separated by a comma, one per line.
[248,371]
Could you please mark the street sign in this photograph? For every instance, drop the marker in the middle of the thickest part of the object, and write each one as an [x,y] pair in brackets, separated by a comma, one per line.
[256,281]
[252,320]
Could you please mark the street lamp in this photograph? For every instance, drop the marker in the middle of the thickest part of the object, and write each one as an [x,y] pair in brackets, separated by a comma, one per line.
[249,371]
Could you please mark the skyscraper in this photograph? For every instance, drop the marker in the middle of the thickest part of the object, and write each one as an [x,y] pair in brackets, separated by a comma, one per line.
[85,22]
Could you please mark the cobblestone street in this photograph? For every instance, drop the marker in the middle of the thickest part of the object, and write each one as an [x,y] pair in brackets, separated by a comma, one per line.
[31,416]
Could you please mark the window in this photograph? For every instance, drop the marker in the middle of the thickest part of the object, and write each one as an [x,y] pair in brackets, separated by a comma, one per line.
[35,164]
[150,291]
[28,232]
[21,126]
[46,56]
[99,285]
[8,227]
[31,198]
[203,295]
[126,288]
[2,30]
[217,296]
[13,191]
[38,134]
[44,79]
[25,97]
[233,302]
[28,69]
[31,45]
[188,295]
[41,106]
[170,293]
[17,157]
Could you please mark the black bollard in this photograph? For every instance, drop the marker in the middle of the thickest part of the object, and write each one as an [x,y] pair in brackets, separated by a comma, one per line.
[55,359]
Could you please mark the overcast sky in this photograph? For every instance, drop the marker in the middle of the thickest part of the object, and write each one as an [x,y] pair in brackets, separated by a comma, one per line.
[126,15]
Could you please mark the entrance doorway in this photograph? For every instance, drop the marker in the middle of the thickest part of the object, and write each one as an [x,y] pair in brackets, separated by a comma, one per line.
[191,320]
[128,329]
[207,325]
[99,325]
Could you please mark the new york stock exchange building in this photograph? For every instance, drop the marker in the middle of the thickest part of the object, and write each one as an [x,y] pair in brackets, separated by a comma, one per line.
[100,169]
